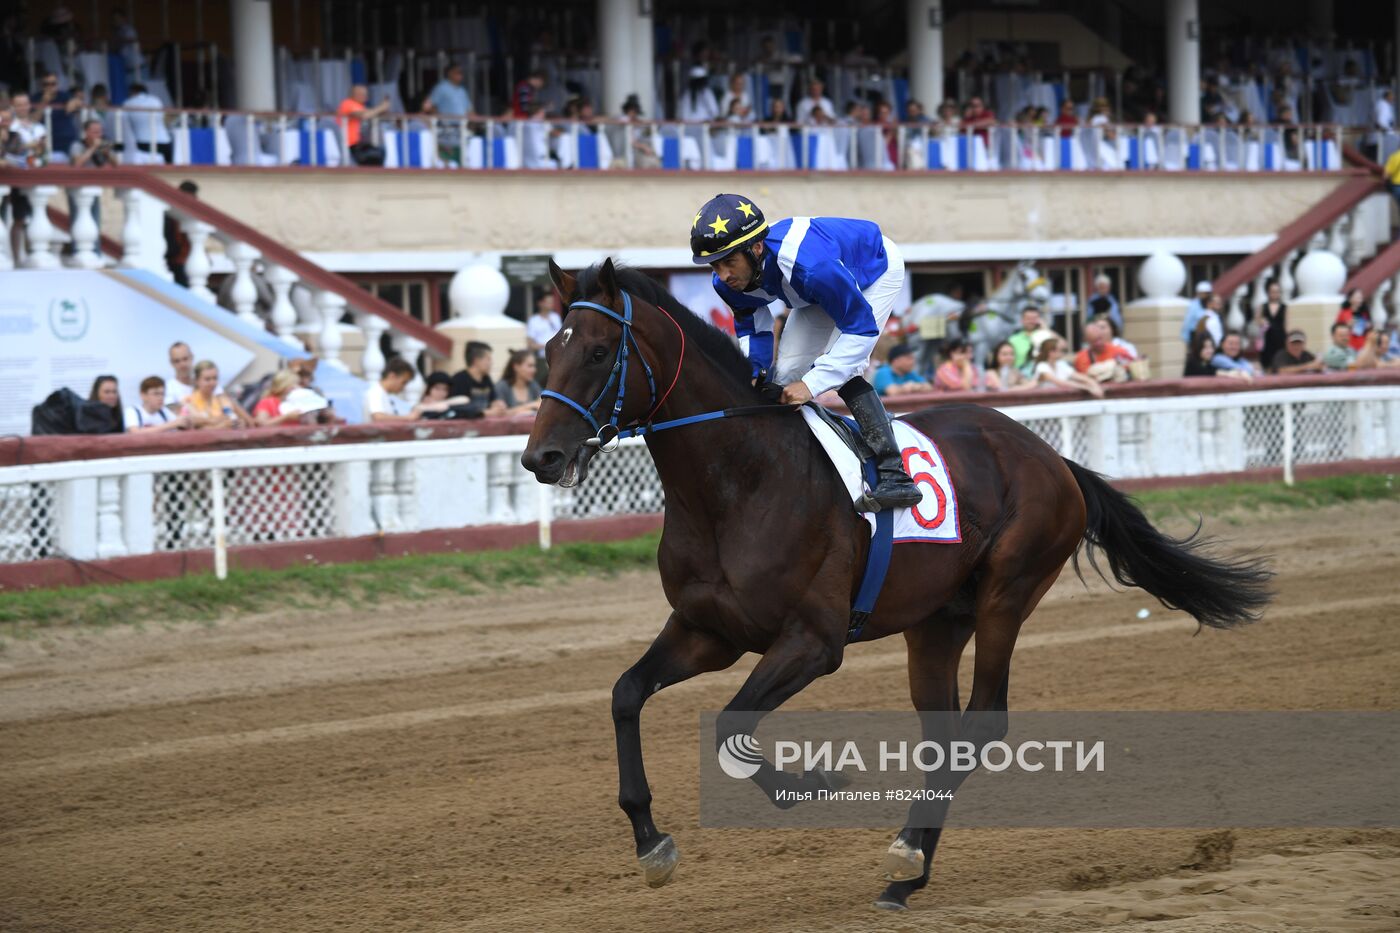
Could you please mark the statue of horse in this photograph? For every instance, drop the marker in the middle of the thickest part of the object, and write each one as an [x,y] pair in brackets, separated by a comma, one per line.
[996,317]
[762,551]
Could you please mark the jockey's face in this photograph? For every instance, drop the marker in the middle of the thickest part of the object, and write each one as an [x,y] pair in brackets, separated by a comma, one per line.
[736,271]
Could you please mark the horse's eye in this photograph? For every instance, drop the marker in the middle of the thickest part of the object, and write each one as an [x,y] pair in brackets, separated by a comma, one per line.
[599,354]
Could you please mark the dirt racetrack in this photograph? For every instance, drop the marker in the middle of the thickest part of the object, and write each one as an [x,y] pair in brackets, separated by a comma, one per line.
[450,767]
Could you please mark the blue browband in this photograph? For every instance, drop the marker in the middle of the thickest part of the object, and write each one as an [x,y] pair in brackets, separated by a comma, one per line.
[618,376]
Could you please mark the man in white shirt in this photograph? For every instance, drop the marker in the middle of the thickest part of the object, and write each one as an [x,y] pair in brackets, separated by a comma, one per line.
[1384,120]
[384,401]
[181,385]
[812,101]
[148,130]
[544,323]
[29,128]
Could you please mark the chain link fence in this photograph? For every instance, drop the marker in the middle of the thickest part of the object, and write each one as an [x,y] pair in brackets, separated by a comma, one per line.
[26,522]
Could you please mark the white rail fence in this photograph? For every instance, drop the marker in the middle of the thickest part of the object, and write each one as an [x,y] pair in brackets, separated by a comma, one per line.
[92,509]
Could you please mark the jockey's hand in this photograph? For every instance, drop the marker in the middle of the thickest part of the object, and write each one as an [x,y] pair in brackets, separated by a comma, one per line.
[795,393]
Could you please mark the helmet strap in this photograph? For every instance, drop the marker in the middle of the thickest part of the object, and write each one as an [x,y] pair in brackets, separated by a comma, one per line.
[753,263]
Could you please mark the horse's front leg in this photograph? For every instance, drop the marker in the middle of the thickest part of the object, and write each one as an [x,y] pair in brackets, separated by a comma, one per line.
[677,654]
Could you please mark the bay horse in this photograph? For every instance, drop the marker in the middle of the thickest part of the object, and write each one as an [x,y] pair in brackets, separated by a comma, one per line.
[762,551]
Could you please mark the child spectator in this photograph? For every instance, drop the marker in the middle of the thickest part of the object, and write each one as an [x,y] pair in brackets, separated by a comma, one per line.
[1052,369]
[897,376]
[270,410]
[439,387]
[104,390]
[151,415]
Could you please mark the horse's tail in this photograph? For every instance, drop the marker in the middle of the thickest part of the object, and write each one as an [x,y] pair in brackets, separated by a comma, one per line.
[1180,573]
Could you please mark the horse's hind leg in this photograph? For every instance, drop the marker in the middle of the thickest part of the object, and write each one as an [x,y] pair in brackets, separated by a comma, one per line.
[935,648]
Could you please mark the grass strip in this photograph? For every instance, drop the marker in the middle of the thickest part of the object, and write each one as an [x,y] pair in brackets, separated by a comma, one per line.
[315,587]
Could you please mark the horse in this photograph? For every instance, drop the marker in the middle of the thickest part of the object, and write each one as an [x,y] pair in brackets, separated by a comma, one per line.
[761,550]
[996,318]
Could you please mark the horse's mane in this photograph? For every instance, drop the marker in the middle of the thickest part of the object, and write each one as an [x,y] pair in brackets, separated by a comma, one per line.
[717,346]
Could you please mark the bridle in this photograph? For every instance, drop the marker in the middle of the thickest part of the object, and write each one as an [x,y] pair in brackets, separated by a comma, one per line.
[606,437]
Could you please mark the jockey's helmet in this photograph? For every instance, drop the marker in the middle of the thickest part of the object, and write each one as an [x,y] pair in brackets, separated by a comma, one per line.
[727,222]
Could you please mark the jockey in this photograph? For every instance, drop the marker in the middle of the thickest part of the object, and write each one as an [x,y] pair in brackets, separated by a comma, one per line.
[841,279]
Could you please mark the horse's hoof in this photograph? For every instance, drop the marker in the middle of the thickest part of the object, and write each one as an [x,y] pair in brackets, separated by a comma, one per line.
[889,903]
[903,862]
[659,864]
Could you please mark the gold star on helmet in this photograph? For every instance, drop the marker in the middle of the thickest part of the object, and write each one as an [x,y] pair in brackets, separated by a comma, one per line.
[721,225]
[747,209]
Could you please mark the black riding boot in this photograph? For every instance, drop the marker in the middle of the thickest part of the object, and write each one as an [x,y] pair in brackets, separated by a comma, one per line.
[895,490]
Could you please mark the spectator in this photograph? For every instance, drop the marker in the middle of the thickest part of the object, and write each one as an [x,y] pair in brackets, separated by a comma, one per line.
[1101,359]
[1230,358]
[475,383]
[1118,340]
[1341,356]
[384,401]
[738,93]
[816,98]
[1066,120]
[697,103]
[149,131]
[177,245]
[1006,376]
[179,388]
[1356,316]
[978,118]
[151,416]
[1104,302]
[439,387]
[1392,175]
[1028,339]
[93,150]
[1273,318]
[270,411]
[518,390]
[104,390]
[897,376]
[914,112]
[308,396]
[58,110]
[353,112]
[207,406]
[1052,369]
[959,373]
[1195,311]
[527,92]
[1200,356]
[28,131]
[1294,357]
[1211,321]
[449,97]
[544,323]
[1376,353]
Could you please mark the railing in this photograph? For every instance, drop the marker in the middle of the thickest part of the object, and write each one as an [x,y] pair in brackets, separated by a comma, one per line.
[222,137]
[194,501]
[325,297]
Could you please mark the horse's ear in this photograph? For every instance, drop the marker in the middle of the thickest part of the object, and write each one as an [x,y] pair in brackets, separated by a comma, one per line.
[566,284]
[607,279]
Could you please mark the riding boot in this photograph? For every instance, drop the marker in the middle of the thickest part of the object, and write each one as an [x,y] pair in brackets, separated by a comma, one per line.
[894,489]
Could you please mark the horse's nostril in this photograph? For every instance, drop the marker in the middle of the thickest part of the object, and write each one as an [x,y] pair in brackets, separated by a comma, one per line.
[542,461]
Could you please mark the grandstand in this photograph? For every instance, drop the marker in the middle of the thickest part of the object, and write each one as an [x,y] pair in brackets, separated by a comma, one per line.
[347,183]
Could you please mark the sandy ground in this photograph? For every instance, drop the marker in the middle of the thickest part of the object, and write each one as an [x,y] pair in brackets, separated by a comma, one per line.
[450,767]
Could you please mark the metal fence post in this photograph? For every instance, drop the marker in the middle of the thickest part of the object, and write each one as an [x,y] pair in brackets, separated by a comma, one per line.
[1288,443]
[216,490]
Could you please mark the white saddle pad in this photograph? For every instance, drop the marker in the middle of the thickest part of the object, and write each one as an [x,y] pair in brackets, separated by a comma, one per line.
[936,518]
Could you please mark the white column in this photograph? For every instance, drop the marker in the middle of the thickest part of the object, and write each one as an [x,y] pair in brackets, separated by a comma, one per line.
[383,495]
[1378,316]
[6,260]
[254,72]
[1234,318]
[1258,295]
[406,488]
[925,53]
[41,232]
[1183,23]
[1356,239]
[131,228]
[328,341]
[372,360]
[84,228]
[244,293]
[283,314]
[644,57]
[109,517]
[197,265]
[411,349]
[499,482]
[616,37]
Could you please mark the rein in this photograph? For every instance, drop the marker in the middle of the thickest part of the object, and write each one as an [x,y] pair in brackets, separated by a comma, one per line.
[608,436]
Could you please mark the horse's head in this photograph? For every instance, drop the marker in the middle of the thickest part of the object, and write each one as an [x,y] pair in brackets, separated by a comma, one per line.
[589,365]
[1034,286]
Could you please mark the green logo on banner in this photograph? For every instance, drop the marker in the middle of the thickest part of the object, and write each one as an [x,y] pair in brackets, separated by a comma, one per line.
[69,319]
